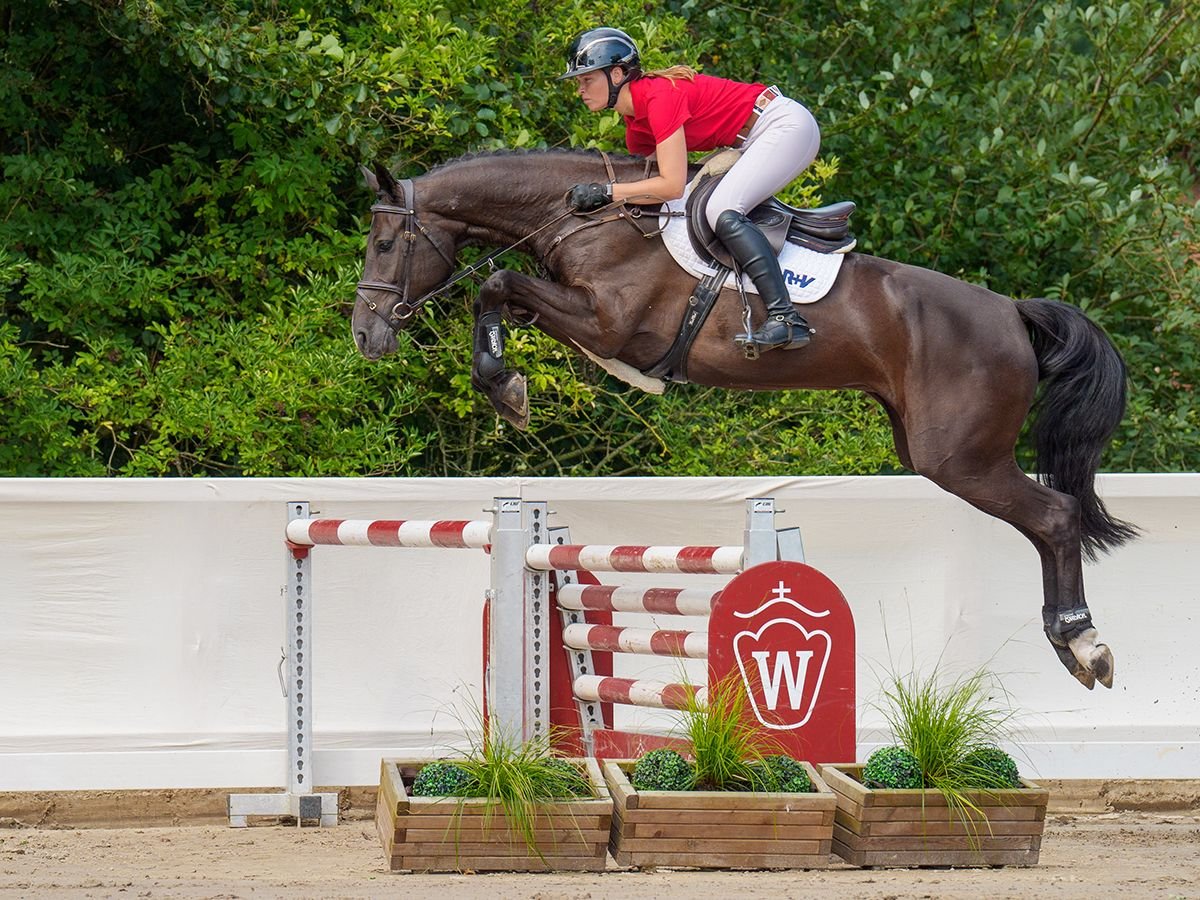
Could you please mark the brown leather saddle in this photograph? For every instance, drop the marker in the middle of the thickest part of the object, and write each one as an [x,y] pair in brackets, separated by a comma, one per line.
[825,229]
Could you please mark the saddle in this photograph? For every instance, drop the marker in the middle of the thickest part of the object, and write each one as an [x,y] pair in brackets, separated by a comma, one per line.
[824,230]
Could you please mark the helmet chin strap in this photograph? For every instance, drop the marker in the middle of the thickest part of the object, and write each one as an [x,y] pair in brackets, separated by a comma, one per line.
[614,90]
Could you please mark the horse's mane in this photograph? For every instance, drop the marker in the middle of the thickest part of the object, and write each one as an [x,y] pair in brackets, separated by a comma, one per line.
[553,168]
[617,158]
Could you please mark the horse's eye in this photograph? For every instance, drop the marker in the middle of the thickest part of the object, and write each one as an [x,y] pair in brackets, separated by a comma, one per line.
[383,246]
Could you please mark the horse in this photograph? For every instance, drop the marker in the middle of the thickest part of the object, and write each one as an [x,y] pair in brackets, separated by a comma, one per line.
[956,367]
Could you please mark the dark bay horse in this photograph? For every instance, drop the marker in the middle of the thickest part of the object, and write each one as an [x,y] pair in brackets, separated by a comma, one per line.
[955,366]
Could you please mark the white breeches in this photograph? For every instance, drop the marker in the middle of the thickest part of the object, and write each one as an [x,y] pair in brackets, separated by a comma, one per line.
[782,144]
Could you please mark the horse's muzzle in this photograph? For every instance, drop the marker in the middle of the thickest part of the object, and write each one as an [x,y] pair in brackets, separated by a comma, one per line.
[372,336]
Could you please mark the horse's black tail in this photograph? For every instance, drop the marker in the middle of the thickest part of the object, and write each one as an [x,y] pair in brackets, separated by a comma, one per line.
[1081,404]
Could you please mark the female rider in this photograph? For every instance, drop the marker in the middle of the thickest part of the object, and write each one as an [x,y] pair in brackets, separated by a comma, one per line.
[670,112]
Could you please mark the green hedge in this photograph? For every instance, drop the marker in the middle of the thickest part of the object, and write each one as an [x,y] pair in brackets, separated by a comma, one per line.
[182,220]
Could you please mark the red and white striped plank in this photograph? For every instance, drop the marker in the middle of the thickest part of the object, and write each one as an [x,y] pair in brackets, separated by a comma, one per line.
[615,598]
[631,692]
[622,558]
[613,639]
[389,533]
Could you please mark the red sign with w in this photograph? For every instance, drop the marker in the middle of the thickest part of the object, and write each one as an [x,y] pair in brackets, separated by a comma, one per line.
[788,633]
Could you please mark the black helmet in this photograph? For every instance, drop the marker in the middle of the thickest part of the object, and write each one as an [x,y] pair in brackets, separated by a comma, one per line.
[601,48]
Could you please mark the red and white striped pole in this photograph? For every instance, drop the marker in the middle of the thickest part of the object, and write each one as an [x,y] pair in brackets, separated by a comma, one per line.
[612,639]
[389,533]
[614,598]
[608,558]
[631,692]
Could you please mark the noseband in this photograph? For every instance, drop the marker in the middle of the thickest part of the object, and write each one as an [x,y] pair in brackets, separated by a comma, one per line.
[404,307]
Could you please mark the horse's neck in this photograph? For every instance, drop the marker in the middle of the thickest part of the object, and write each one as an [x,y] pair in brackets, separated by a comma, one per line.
[491,209]
[504,199]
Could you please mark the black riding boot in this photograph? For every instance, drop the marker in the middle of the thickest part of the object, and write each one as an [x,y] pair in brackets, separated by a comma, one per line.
[785,328]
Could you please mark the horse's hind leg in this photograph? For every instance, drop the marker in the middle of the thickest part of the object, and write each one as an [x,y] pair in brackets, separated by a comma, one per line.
[1049,519]
[1070,630]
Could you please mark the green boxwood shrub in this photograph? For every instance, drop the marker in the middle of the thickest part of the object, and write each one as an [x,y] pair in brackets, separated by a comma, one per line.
[991,767]
[443,779]
[782,773]
[571,781]
[892,767]
[663,770]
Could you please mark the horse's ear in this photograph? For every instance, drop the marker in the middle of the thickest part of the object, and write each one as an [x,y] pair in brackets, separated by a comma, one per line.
[384,182]
[369,177]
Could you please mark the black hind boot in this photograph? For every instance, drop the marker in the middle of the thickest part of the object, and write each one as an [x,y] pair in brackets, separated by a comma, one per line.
[785,328]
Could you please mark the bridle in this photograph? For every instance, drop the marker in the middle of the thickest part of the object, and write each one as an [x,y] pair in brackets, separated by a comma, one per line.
[403,309]
[405,306]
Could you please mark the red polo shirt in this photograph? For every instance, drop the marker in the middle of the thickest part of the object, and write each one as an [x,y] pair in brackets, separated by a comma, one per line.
[711,110]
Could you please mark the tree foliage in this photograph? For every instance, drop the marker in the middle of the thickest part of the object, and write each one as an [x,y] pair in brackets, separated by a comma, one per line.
[181,220]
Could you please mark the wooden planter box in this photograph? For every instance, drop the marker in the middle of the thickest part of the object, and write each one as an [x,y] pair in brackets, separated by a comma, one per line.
[719,829]
[917,828]
[454,834]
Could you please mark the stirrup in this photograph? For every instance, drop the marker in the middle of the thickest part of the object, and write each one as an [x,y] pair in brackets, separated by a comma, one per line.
[753,344]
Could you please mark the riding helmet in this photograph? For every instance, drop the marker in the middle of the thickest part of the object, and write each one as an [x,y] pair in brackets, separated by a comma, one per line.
[601,48]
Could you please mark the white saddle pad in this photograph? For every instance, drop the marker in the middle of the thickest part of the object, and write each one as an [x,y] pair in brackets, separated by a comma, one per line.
[809,275]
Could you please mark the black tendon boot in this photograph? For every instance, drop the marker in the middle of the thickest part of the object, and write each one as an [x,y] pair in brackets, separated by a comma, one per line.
[488,350]
[785,328]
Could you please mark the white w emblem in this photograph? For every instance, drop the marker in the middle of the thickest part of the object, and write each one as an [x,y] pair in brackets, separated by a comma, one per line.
[771,665]
[783,672]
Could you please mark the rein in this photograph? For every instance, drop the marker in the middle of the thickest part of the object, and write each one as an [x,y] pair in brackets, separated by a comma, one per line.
[404,308]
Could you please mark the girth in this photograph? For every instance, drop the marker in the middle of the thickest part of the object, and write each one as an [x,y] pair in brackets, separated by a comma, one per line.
[673,366]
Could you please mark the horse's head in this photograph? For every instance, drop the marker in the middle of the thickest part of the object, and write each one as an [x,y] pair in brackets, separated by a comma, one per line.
[406,259]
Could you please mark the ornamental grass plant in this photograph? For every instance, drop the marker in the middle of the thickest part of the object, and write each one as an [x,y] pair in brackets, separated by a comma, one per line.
[513,776]
[729,751]
[951,727]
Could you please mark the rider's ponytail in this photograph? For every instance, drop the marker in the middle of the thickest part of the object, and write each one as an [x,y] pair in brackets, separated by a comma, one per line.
[673,73]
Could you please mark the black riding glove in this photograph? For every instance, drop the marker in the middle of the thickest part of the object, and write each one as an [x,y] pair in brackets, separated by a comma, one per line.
[587,197]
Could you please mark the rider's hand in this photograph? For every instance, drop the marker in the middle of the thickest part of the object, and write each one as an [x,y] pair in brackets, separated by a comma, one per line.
[587,197]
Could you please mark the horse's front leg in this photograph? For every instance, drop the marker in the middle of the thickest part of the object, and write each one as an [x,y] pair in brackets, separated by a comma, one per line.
[548,302]
[503,291]
[504,387]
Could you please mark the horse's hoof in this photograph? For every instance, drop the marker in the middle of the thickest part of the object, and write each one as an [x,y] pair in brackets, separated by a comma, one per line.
[512,401]
[1082,673]
[1093,659]
[515,418]
[1102,665]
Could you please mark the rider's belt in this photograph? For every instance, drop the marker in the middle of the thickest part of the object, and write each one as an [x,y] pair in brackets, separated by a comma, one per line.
[764,100]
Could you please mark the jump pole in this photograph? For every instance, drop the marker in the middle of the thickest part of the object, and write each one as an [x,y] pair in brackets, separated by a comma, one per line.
[298,798]
[517,625]
[530,564]
[510,530]
[781,626]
